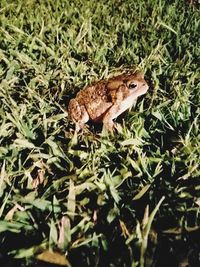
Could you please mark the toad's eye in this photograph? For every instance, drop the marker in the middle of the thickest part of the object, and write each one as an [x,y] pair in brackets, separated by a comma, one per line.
[132,86]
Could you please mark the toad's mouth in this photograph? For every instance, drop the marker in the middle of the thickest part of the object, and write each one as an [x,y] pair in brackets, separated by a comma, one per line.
[141,91]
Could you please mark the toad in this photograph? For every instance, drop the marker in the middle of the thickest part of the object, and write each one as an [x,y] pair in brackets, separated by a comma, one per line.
[105,100]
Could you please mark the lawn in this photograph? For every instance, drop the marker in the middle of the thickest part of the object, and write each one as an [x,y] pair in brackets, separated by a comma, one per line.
[91,198]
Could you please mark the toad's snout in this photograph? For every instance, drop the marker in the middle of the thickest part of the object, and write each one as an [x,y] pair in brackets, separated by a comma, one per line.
[144,88]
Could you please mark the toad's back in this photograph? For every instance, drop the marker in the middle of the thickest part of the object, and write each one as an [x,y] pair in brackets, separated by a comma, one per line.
[96,99]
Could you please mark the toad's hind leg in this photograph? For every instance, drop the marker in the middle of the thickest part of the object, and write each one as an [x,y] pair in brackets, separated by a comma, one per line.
[78,113]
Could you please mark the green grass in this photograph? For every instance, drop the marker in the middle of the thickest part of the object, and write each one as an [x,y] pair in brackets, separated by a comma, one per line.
[93,197]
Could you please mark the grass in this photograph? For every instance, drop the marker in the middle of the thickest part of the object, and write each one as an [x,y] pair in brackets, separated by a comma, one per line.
[131,199]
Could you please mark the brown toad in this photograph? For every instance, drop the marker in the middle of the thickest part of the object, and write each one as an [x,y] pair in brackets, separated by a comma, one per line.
[105,100]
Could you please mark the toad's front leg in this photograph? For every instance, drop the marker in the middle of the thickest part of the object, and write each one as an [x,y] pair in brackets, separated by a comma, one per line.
[114,110]
[109,116]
